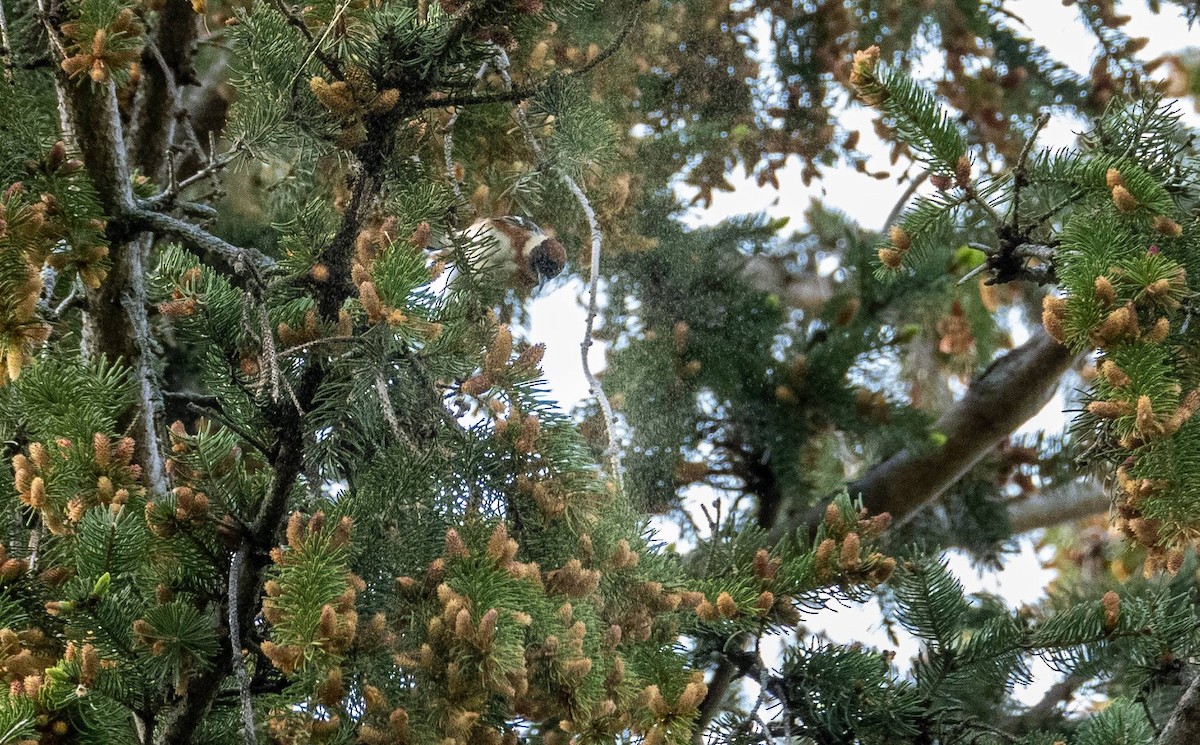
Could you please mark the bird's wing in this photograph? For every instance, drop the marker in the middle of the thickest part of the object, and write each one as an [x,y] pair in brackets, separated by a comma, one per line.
[522,222]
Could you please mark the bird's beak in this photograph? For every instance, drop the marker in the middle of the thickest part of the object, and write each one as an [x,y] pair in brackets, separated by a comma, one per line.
[541,284]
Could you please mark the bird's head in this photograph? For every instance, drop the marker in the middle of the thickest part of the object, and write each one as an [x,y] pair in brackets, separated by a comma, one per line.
[546,260]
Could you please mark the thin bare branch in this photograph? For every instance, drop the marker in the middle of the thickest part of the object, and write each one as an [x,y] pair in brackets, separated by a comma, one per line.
[448,144]
[213,166]
[315,342]
[902,202]
[297,21]
[612,451]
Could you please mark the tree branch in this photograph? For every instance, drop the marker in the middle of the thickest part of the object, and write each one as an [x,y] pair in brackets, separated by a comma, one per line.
[166,66]
[244,267]
[714,698]
[612,452]
[1011,391]
[1071,501]
[1046,714]
[116,325]
[1183,728]
[5,47]
[185,715]
[517,94]
[235,647]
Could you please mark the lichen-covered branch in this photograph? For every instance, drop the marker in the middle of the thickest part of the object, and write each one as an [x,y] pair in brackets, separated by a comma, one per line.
[116,324]
[244,267]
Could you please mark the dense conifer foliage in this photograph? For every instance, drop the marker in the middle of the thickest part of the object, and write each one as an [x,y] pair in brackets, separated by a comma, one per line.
[280,461]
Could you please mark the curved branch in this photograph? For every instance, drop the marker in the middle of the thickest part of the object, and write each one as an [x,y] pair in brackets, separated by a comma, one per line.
[612,452]
[1010,392]
[516,95]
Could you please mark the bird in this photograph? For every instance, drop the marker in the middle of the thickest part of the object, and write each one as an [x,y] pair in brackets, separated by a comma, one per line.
[516,248]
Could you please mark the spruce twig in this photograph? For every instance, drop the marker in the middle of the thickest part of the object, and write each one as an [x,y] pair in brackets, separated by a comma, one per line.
[213,166]
[315,342]
[1020,178]
[267,342]
[297,21]
[389,413]
[213,413]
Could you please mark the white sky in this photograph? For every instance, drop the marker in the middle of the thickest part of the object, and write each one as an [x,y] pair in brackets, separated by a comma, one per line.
[558,319]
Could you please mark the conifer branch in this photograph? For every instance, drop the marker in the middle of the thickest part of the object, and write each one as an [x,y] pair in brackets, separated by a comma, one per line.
[286,420]
[719,685]
[215,165]
[518,94]
[256,537]
[1045,711]
[1020,174]
[74,299]
[902,202]
[166,67]
[1013,389]
[1183,728]
[315,342]
[1059,504]
[612,452]
[235,645]
[116,325]
[35,545]
[65,125]
[245,268]
[134,301]
[1005,396]
[614,46]
[216,414]
[389,413]
[448,142]
[296,20]
[52,33]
